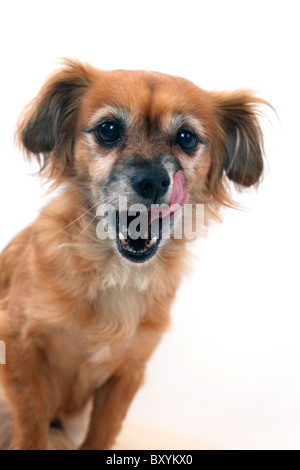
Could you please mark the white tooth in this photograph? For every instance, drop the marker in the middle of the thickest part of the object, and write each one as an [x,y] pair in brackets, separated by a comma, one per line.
[122,238]
[146,234]
[123,230]
[151,242]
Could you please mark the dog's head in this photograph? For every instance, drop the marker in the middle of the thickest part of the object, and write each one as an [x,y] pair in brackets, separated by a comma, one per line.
[149,137]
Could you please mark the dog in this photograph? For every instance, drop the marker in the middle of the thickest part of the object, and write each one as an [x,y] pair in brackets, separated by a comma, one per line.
[81,314]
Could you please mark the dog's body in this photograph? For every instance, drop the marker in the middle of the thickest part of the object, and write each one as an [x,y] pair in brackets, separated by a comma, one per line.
[81,316]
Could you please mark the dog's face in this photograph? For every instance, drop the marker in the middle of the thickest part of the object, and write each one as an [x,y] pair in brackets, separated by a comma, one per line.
[142,135]
[137,131]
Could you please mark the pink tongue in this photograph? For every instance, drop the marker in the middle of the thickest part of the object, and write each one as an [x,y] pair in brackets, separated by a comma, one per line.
[178,198]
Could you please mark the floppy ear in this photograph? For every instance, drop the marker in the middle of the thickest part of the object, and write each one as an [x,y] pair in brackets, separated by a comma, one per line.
[48,125]
[237,144]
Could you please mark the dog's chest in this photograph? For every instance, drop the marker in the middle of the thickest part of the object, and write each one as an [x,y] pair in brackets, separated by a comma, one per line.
[108,338]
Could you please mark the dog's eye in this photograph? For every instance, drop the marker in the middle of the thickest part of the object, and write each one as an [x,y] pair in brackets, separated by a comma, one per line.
[108,132]
[187,140]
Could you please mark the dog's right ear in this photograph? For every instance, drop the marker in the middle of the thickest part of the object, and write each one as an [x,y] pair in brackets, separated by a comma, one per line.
[48,125]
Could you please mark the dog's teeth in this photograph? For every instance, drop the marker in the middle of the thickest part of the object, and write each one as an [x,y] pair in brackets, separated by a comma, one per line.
[146,234]
[123,229]
[152,242]
[122,238]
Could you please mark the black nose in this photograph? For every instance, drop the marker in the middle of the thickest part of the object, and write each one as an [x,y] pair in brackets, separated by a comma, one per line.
[151,183]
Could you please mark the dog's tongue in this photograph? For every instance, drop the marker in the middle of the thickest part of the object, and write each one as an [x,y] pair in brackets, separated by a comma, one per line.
[178,198]
[179,192]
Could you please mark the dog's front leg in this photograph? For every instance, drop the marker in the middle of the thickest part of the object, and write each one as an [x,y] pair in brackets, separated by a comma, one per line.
[111,403]
[20,381]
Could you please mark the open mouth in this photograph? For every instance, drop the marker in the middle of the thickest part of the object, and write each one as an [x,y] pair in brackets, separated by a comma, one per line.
[136,245]
[138,242]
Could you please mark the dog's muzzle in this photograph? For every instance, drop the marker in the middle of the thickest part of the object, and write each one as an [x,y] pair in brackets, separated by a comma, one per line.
[139,235]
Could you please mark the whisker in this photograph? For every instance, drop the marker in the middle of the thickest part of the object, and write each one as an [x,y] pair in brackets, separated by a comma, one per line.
[78,218]
[85,228]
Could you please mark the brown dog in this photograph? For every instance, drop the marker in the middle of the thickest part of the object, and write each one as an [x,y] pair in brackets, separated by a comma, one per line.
[80,315]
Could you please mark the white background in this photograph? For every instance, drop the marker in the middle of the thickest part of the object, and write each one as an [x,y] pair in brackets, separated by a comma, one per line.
[228,372]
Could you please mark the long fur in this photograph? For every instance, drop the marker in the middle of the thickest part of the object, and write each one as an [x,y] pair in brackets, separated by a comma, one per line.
[80,322]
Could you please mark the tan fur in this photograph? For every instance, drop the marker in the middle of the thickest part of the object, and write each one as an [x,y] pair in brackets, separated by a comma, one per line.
[79,321]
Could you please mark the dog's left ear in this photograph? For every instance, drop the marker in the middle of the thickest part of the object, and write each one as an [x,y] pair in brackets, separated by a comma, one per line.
[237,142]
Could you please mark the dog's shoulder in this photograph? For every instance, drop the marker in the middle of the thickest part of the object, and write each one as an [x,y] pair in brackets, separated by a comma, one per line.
[10,258]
